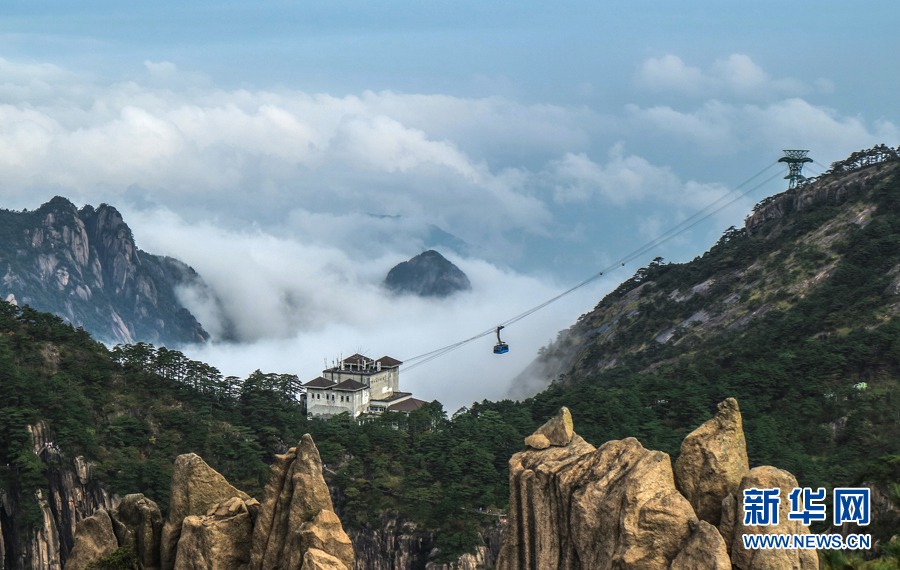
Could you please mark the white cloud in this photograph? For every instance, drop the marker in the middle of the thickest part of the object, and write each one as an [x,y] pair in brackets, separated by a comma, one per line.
[623,179]
[670,72]
[293,304]
[736,76]
[725,128]
[265,153]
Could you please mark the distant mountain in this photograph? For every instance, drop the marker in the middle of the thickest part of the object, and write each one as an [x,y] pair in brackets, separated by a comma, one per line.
[83,266]
[428,274]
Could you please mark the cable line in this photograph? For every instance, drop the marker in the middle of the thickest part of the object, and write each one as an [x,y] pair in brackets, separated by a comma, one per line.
[686,224]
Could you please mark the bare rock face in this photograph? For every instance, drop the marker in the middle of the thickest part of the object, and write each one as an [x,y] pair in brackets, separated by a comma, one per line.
[220,540]
[94,539]
[558,430]
[196,487]
[315,559]
[626,509]
[83,265]
[138,525]
[71,496]
[537,441]
[297,515]
[704,550]
[713,461]
[573,506]
[768,477]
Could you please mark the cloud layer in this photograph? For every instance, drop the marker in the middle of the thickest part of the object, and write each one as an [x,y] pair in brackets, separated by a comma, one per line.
[293,205]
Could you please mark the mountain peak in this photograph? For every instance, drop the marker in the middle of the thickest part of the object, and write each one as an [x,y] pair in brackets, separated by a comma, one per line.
[83,266]
[58,203]
[428,274]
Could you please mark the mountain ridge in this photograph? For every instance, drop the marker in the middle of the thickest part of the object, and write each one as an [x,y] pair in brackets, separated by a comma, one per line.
[83,265]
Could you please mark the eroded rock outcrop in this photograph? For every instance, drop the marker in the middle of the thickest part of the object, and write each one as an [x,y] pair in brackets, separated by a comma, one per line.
[94,539]
[705,549]
[196,487]
[395,544]
[712,462]
[220,540]
[621,506]
[211,525]
[297,514]
[138,525]
[70,496]
[767,477]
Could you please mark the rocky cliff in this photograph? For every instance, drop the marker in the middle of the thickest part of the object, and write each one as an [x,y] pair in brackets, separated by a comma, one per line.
[71,494]
[428,274]
[574,506]
[395,545]
[83,265]
[211,525]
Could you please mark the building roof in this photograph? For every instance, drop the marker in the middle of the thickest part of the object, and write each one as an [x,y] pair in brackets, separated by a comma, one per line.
[357,359]
[388,362]
[319,382]
[395,397]
[350,385]
[408,405]
[363,365]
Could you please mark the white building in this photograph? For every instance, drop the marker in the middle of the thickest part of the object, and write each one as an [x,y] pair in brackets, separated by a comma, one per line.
[359,385]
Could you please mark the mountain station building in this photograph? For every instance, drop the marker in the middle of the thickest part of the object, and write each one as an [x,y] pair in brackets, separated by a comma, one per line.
[359,386]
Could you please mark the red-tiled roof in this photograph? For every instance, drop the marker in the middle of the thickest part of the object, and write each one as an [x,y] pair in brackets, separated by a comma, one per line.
[319,383]
[388,362]
[407,406]
[350,386]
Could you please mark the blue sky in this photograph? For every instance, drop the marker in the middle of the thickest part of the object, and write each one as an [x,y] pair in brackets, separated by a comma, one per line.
[546,138]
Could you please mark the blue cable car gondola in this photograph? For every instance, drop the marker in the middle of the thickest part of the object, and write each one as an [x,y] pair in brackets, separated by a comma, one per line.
[501,347]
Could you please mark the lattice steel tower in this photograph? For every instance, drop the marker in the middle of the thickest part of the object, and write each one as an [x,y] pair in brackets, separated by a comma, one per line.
[795,160]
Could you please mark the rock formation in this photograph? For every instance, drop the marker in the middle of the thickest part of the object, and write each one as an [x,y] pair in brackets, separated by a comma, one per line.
[196,487]
[214,526]
[138,524]
[573,506]
[220,540]
[712,461]
[95,539]
[428,274]
[83,265]
[297,514]
[767,477]
[393,544]
[71,494]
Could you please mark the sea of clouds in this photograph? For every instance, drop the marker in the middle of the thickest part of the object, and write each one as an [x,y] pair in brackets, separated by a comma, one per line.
[293,205]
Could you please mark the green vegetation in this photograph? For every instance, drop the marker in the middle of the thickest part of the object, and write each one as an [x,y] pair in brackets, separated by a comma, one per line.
[131,410]
[122,558]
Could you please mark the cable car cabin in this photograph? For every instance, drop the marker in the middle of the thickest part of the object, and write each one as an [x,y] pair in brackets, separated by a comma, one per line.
[501,347]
